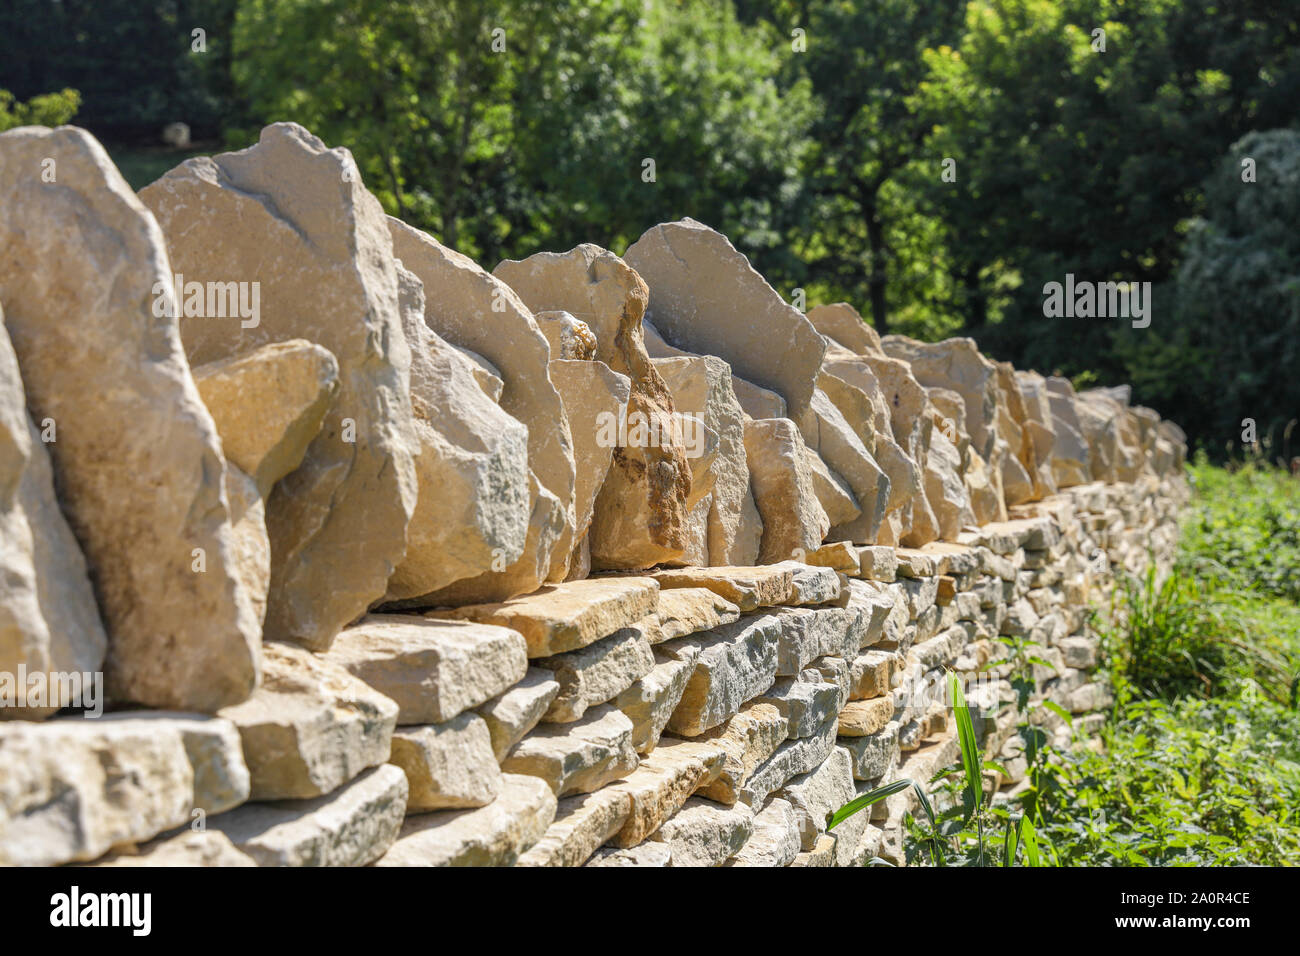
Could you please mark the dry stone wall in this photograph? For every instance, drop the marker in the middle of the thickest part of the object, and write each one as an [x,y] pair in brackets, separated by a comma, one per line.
[587,560]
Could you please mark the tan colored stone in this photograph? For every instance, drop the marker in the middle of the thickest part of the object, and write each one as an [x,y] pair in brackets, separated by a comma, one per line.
[706,298]
[565,617]
[662,783]
[577,757]
[835,496]
[597,673]
[650,701]
[494,835]
[704,833]
[569,337]
[643,855]
[702,387]
[352,826]
[794,522]
[841,322]
[49,622]
[447,765]
[641,512]
[310,727]
[187,848]
[475,503]
[582,824]
[268,405]
[775,840]
[432,669]
[684,611]
[748,739]
[287,214]
[860,718]
[73,788]
[737,662]
[747,588]
[469,307]
[89,249]
[515,711]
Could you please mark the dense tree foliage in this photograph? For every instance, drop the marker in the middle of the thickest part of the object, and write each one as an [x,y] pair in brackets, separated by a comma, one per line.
[935,163]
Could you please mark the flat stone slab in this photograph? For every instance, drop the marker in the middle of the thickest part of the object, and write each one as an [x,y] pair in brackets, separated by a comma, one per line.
[514,712]
[747,740]
[704,833]
[577,757]
[650,701]
[684,611]
[807,634]
[432,669]
[311,727]
[736,663]
[73,788]
[647,854]
[877,562]
[352,826]
[449,765]
[597,673]
[747,588]
[861,718]
[565,617]
[582,825]
[663,782]
[775,837]
[187,848]
[495,835]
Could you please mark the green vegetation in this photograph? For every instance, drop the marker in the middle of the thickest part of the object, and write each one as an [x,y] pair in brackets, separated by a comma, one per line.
[48,109]
[1199,763]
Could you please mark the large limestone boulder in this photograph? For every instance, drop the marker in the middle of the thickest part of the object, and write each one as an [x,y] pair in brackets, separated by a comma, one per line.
[86,284]
[49,622]
[594,396]
[1071,457]
[268,405]
[641,515]
[290,217]
[474,310]
[701,386]
[706,298]
[958,365]
[473,509]
[794,522]
[842,323]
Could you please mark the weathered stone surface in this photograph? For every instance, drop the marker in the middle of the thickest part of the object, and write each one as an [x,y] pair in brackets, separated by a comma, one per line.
[835,496]
[841,322]
[250,557]
[474,508]
[794,521]
[646,854]
[821,792]
[487,375]
[447,765]
[794,757]
[955,364]
[806,705]
[872,754]
[594,395]
[597,673]
[268,405]
[807,634]
[747,588]
[839,555]
[704,833]
[822,853]
[284,215]
[650,701]
[832,436]
[775,838]
[582,824]
[310,727]
[494,835]
[73,788]
[431,668]
[684,611]
[565,617]
[352,826]
[640,515]
[1071,456]
[577,757]
[470,308]
[177,638]
[861,718]
[702,387]
[737,662]
[706,298]
[878,563]
[871,672]
[49,622]
[187,848]
[514,712]
[747,740]
[814,585]
[661,784]
[569,336]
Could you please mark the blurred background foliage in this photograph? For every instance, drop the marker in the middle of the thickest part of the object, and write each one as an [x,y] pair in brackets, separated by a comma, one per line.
[814,133]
